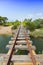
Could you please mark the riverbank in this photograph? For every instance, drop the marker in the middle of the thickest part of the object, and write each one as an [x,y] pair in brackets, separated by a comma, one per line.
[5,30]
[37,33]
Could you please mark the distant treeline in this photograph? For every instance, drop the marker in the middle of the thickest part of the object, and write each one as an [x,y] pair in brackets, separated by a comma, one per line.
[27,23]
[4,21]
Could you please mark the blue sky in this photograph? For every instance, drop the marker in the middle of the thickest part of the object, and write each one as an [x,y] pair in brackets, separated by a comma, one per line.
[21,9]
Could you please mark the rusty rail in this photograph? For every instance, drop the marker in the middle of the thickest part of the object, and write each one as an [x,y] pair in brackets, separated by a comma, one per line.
[12,49]
[30,50]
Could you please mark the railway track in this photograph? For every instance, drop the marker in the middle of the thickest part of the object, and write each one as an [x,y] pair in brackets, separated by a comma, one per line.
[12,49]
[21,41]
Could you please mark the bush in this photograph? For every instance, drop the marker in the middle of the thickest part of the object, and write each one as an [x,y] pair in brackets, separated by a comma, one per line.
[7,24]
[16,24]
[14,27]
[32,25]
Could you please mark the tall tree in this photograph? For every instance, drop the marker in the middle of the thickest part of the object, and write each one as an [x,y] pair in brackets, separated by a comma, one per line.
[3,19]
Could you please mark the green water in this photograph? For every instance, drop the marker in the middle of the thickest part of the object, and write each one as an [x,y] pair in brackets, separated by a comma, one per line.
[4,39]
[38,42]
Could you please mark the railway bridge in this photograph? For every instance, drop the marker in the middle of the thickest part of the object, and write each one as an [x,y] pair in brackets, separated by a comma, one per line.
[21,41]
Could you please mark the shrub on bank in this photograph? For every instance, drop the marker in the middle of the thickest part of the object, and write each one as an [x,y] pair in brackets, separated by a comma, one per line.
[14,27]
[16,24]
[37,33]
[32,25]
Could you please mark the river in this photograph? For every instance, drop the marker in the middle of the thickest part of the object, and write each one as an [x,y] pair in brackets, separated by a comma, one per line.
[38,42]
[4,39]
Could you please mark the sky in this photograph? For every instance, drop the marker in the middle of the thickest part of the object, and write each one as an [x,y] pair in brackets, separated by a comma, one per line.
[21,9]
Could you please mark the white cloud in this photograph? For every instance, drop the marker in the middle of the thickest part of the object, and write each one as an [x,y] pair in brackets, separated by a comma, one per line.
[39,14]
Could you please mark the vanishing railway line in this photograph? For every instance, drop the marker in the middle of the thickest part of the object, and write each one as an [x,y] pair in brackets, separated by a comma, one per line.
[21,40]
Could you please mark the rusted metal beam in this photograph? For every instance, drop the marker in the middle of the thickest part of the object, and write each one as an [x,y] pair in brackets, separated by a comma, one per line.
[11,52]
[30,50]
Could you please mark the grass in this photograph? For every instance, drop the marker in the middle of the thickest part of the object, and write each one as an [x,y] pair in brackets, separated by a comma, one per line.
[37,33]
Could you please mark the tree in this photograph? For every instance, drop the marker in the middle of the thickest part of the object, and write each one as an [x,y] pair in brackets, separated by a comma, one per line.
[3,19]
[16,24]
[0,20]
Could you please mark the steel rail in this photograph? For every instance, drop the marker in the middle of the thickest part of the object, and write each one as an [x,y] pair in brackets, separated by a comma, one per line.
[30,50]
[12,49]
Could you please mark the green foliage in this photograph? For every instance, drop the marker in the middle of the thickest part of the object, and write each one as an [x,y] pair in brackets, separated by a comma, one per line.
[3,20]
[28,24]
[37,23]
[16,24]
[37,33]
[32,25]
[14,27]
[7,24]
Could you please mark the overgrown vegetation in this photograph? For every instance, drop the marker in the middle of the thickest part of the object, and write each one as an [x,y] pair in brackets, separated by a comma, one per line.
[37,33]
[27,23]
[36,27]
[4,22]
[16,24]
[32,25]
